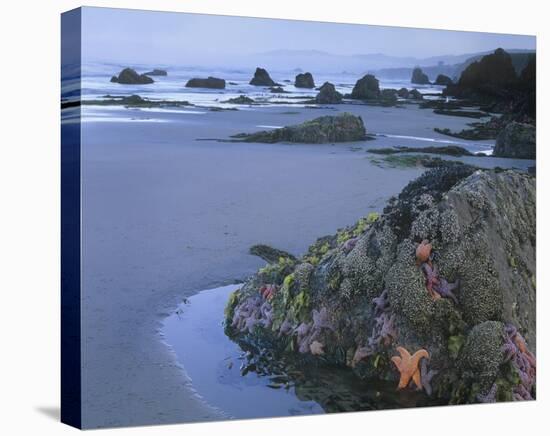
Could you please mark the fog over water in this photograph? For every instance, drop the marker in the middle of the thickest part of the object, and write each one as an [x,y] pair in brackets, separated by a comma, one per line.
[132,36]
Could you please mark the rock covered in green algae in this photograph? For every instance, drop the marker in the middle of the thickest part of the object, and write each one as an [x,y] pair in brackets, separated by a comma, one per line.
[482,227]
[270,254]
[340,128]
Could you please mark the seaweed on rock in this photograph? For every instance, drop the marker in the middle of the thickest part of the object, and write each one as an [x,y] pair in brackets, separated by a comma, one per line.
[432,273]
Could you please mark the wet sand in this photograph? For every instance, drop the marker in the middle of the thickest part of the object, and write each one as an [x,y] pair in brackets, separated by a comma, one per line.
[165,215]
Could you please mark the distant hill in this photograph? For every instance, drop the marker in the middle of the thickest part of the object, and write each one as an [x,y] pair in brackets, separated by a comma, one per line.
[378,63]
[519,60]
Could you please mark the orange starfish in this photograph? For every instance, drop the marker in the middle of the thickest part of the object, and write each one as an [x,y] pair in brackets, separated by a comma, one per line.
[423,251]
[408,366]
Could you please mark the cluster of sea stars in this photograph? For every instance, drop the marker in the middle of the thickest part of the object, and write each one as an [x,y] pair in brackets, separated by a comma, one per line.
[515,350]
[384,331]
[258,311]
[308,334]
[252,312]
[437,286]
[524,362]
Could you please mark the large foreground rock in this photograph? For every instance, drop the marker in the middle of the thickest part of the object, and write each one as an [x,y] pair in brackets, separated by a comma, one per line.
[328,94]
[448,268]
[341,128]
[366,88]
[128,76]
[516,140]
[262,78]
[209,82]
[419,78]
[304,80]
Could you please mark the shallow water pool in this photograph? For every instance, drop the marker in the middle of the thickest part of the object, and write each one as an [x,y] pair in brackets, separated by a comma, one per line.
[214,363]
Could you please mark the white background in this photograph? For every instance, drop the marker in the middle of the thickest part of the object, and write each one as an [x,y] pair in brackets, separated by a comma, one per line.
[29,213]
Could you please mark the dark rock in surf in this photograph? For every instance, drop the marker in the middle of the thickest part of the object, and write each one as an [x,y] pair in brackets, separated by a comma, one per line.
[304,80]
[129,76]
[366,88]
[156,72]
[328,94]
[443,80]
[209,82]
[419,78]
[262,78]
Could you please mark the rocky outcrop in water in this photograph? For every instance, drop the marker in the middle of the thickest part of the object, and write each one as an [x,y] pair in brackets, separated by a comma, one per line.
[419,78]
[328,94]
[304,80]
[413,94]
[209,82]
[156,72]
[437,293]
[366,88]
[493,83]
[516,140]
[128,76]
[241,99]
[262,78]
[443,80]
[340,128]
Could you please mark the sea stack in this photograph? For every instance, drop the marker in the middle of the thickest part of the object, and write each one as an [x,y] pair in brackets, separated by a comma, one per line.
[262,78]
[366,88]
[129,76]
[304,80]
[328,94]
[419,78]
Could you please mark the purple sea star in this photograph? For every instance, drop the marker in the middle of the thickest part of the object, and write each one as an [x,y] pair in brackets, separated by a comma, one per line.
[445,289]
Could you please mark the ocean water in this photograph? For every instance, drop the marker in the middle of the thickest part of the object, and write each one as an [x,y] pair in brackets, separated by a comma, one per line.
[96,84]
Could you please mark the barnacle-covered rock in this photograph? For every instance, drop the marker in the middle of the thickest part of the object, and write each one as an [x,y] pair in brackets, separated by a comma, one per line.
[449,264]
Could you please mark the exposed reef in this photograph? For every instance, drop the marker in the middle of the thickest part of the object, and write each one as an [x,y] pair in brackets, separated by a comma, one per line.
[413,160]
[135,101]
[241,99]
[209,82]
[449,150]
[340,128]
[437,294]
[156,72]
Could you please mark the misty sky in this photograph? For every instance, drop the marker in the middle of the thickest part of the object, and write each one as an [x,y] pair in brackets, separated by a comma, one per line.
[171,38]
